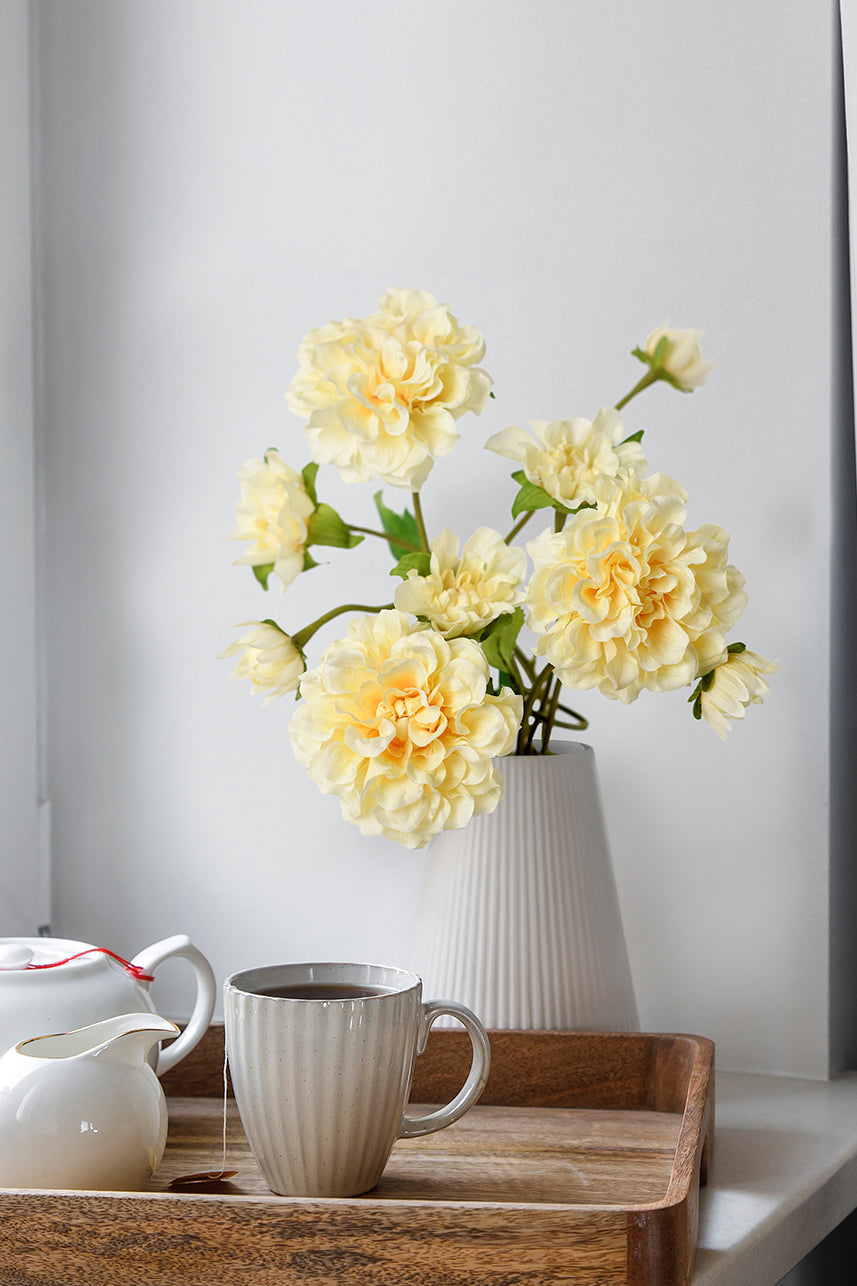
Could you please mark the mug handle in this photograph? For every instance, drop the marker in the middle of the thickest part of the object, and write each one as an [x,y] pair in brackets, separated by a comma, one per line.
[149,959]
[413,1126]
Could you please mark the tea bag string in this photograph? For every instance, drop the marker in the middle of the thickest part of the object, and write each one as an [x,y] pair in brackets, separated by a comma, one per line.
[225,1092]
[213,1176]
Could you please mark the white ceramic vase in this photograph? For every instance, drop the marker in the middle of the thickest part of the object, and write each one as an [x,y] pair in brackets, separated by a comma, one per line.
[519,916]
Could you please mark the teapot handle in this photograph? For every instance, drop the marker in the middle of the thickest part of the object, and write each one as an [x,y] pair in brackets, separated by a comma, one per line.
[149,959]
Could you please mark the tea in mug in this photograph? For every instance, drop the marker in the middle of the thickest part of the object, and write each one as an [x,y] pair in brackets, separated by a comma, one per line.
[323,991]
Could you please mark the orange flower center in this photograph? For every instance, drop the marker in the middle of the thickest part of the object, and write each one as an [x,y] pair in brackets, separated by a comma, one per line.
[416,718]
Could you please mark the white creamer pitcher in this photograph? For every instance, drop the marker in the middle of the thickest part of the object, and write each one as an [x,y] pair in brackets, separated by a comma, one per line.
[84,1109]
[52,985]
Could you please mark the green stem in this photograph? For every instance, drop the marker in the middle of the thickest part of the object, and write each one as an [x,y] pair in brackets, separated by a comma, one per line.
[561,723]
[421,526]
[525,733]
[303,636]
[515,675]
[391,540]
[519,524]
[524,660]
[650,377]
[550,716]
[581,721]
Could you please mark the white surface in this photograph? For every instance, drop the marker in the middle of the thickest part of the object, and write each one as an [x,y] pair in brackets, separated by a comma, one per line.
[784,1175]
[220,175]
[21,903]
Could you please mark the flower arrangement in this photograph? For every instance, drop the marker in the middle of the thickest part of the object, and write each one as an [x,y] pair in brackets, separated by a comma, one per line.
[404,717]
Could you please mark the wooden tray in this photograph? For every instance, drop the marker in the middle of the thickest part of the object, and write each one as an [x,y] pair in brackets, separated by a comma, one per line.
[581,1164]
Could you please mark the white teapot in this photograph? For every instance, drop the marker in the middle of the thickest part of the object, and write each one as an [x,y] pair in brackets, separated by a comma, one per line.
[52,985]
[84,1109]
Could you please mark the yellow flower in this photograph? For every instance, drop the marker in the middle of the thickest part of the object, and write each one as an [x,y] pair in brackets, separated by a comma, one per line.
[566,457]
[623,598]
[397,722]
[269,659]
[461,595]
[381,395]
[274,513]
[682,359]
[737,683]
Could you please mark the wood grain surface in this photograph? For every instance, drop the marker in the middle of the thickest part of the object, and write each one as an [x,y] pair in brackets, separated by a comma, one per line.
[581,1165]
[206,1241]
[545,1069]
[568,1156]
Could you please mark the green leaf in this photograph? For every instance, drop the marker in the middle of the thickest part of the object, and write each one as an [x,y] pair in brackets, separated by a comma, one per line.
[660,350]
[417,561]
[736,647]
[309,562]
[262,574]
[633,437]
[530,497]
[309,475]
[325,527]
[403,525]
[499,638]
[703,685]
[672,381]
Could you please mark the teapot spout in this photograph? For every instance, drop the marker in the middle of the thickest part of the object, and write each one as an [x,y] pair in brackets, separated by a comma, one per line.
[132,1037]
[126,1039]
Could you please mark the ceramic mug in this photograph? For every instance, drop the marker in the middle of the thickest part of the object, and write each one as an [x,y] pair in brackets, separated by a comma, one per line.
[321,1058]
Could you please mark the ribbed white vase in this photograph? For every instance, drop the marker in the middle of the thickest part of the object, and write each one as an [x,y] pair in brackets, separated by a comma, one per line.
[519,916]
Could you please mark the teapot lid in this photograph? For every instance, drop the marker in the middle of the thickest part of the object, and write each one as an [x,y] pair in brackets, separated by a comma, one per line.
[25,954]
[31,953]
[15,955]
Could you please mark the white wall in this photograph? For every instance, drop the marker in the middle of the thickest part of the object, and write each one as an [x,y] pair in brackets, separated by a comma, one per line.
[220,175]
[22,892]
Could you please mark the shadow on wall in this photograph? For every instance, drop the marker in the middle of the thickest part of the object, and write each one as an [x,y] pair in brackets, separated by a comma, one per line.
[843,608]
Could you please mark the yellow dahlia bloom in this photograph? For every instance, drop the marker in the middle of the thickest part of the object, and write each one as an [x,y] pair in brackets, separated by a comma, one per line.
[566,457]
[682,359]
[274,513]
[623,598]
[381,395]
[737,683]
[460,595]
[397,722]
[269,659]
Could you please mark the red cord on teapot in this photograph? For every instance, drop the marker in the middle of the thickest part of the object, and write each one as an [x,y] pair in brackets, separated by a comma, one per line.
[134,970]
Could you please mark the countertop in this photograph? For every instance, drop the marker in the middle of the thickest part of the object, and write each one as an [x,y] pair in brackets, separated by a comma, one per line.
[784,1174]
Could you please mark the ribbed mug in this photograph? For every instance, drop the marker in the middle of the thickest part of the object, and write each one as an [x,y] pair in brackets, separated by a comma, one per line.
[321,1058]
